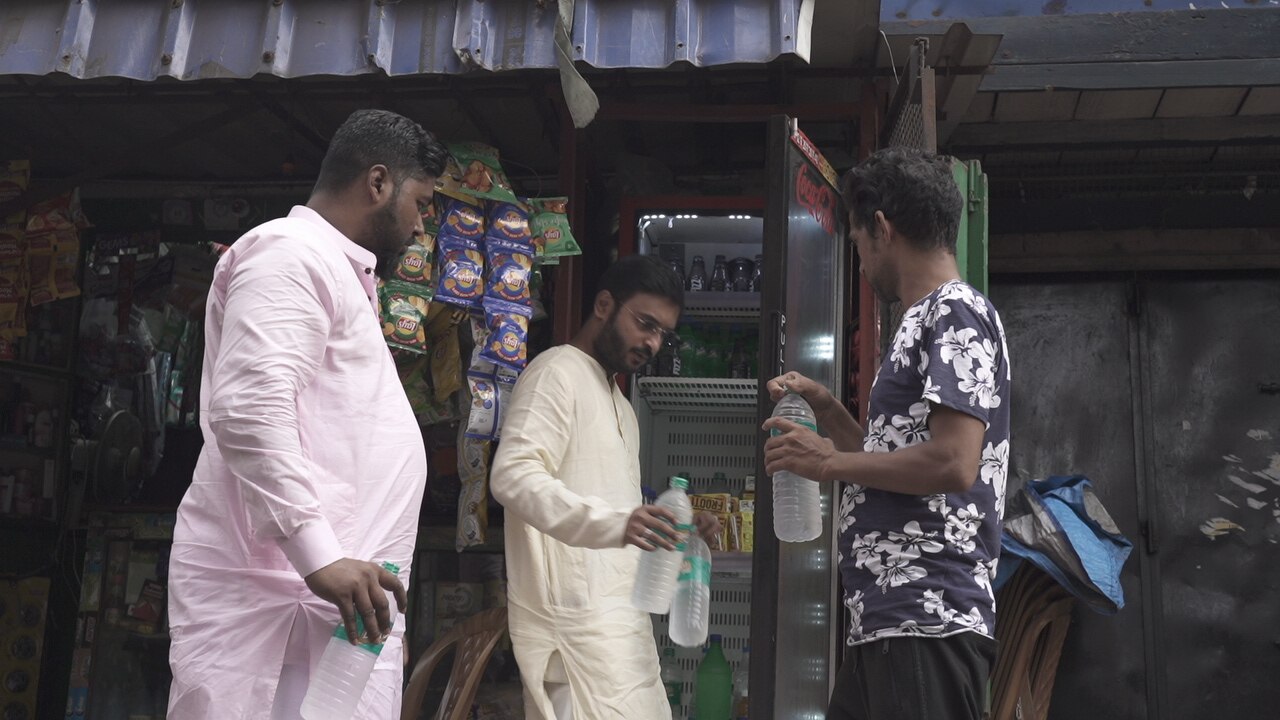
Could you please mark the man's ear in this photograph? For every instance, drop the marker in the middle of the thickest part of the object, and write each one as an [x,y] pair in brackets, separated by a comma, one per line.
[379,184]
[603,306]
[883,227]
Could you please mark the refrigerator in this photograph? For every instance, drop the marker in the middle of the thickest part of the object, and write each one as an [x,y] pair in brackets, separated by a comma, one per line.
[781,598]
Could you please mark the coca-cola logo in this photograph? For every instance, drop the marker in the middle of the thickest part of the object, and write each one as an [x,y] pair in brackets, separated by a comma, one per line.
[817,197]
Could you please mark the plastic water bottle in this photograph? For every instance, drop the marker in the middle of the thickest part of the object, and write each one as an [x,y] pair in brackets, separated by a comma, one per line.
[691,606]
[797,509]
[715,685]
[741,681]
[672,680]
[339,680]
[657,571]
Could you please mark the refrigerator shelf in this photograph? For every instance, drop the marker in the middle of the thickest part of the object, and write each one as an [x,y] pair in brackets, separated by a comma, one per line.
[706,305]
[731,564]
[667,394]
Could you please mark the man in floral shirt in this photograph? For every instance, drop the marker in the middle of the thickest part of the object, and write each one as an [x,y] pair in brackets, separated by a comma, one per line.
[921,509]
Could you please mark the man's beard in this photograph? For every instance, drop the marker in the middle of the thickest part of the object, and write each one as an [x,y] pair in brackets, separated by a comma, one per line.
[611,349]
[384,234]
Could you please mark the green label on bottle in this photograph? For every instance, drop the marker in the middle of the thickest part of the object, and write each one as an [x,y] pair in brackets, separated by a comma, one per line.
[686,529]
[341,633]
[802,423]
[695,569]
[673,693]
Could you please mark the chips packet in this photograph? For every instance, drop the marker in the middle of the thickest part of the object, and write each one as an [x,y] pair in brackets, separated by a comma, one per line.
[509,266]
[508,336]
[549,224]
[460,276]
[404,314]
[479,172]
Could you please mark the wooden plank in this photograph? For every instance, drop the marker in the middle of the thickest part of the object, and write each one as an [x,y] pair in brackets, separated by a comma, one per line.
[1140,249]
[1262,101]
[1119,37]
[1133,75]
[1127,133]
[1036,106]
[1200,102]
[1117,104]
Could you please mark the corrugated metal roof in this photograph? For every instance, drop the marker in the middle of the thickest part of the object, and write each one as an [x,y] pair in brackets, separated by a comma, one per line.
[198,39]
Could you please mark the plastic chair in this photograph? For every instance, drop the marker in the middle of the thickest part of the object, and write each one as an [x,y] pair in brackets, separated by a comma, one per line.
[475,639]
[1033,614]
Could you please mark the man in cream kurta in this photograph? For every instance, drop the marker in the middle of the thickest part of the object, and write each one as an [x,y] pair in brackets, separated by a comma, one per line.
[313,467]
[568,473]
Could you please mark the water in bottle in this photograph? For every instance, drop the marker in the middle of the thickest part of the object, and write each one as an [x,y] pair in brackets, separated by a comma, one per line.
[797,513]
[714,690]
[741,679]
[657,571]
[338,682]
[672,680]
[691,606]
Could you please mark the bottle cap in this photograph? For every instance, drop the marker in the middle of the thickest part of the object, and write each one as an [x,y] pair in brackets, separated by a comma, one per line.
[392,567]
[679,482]
[715,638]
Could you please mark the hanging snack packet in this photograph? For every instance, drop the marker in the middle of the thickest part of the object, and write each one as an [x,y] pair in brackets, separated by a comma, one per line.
[509,266]
[403,318]
[549,223]
[480,173]
[463,219]
[461,269]
[415,264]
[482,422]
[506,379]
[473,500]
[508,325]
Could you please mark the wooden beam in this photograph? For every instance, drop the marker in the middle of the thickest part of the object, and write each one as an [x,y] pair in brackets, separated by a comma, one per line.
[1134,75]
[834,112]
[1137,250]
[997,137]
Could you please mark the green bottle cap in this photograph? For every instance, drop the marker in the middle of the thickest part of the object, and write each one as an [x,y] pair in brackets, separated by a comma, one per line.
[679,482]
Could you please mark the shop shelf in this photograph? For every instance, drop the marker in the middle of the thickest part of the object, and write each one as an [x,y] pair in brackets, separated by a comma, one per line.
[673,394]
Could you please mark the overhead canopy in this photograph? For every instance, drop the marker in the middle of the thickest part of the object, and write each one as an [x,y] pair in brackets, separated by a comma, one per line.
[207,39]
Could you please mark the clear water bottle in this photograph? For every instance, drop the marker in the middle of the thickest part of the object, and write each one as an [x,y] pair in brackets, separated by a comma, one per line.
[658,569]
[338,682]
[672,680]
[741,680]
[797,512]
[691,607]
[714,691]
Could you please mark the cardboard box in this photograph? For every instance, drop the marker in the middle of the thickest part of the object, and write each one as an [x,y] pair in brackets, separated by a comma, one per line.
[746,505]
[747,519]
[714,503]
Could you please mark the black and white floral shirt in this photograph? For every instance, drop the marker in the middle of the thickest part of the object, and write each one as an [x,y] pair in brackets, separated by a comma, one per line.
[915,565]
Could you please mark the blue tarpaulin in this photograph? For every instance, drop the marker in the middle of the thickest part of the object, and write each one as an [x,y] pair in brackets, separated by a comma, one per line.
[1061,527]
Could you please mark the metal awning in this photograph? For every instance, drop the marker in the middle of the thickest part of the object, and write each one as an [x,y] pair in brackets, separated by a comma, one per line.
[209,39]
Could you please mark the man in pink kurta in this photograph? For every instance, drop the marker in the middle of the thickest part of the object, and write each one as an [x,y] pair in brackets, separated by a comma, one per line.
[313,466]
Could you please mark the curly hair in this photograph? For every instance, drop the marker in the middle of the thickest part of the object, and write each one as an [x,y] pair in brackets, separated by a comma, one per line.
[914,189]
[380,137]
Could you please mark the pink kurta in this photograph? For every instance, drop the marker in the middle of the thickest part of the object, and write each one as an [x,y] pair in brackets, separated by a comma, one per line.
[311,454]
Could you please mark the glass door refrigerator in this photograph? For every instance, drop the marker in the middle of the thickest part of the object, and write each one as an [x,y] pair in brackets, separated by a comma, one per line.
[701,404]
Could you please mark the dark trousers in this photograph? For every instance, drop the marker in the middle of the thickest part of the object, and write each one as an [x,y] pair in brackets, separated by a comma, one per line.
[914,678]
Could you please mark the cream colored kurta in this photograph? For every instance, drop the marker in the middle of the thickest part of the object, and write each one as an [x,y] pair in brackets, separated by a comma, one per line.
[568,473]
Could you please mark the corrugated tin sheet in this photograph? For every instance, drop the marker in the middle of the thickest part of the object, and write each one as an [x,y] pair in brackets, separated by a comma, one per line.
[198,39]
[893,10]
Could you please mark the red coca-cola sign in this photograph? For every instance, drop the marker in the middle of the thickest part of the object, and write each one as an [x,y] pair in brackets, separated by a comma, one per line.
[816,196]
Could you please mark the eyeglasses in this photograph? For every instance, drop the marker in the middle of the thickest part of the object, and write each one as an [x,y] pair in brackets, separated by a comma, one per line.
[669,337]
